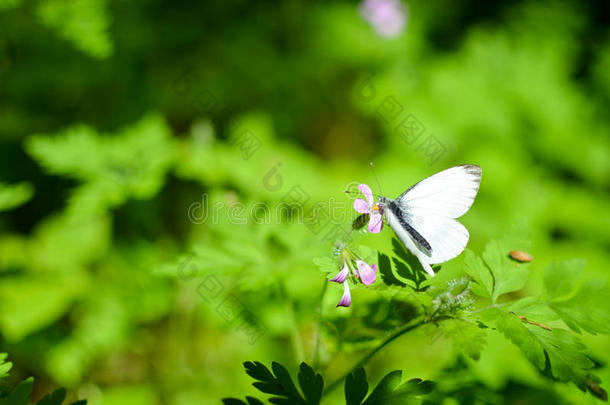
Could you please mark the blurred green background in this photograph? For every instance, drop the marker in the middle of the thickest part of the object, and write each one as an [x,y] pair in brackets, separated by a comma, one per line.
[122,120]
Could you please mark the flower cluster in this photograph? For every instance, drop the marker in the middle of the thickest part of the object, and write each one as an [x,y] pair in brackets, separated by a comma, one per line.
[355,267]
[351,264]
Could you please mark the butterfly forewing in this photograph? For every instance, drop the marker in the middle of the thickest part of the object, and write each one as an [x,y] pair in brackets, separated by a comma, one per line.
[431,206]
[449,193]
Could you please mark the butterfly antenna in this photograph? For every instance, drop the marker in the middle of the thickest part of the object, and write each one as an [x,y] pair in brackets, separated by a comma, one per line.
[376,179]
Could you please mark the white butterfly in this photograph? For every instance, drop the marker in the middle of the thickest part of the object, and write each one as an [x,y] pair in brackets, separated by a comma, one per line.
[423,217]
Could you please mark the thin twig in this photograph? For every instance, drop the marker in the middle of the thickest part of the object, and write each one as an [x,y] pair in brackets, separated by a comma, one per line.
[366,358]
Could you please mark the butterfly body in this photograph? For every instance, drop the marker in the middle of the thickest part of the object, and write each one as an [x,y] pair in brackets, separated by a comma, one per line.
[424,216]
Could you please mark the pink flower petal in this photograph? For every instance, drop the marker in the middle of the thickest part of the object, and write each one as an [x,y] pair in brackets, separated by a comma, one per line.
[346,299]
[368,194]
[374,267]
[361,206]
[367,273]
[341,276]
[375,222]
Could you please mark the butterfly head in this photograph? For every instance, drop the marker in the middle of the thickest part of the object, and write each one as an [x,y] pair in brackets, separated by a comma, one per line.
[380,204]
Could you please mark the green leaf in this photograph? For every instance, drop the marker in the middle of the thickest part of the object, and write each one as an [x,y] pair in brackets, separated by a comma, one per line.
[560,279]
[311,384]
[385,269]
[356,387]
[85,23]
[55,398]
[389,391]
[466,336]
[534,309]
[326,264]
[477,270]
[5,366]
[14,195]
[508,276]
[280,384]
[584,307]
[20,395]
[112,168]
[565,353]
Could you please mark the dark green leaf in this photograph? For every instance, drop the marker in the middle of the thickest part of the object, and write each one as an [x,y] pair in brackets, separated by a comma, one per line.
[385,269]
[279,383]
[389,391]
[311,384]
[235,401]
[356,387]
[55,398]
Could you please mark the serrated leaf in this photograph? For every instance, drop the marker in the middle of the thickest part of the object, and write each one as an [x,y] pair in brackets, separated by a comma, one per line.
[277,383]
[311,384]
[477,270]
[356,387]
[561,278]
[588,308]
[508,276]
[385,269]
[584,307]
[389,391]
[284,379]
[407,265]
[466,336]
[514,329]
[564,351]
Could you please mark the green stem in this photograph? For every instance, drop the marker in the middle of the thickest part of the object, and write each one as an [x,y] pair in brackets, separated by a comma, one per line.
[316,353]
[366,358]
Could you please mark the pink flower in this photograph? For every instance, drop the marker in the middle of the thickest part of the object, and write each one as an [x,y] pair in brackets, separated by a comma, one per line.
[369,207]
[388,17]
[365,272]
[346,299]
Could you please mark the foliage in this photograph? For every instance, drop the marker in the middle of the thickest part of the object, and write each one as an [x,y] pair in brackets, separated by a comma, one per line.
[134,268]
[20,395]
[389,391]
[12,196]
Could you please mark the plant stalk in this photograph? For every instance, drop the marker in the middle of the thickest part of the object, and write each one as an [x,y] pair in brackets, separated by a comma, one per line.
[370,354]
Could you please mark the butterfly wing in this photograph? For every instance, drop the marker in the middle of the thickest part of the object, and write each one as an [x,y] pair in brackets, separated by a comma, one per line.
[431,206]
